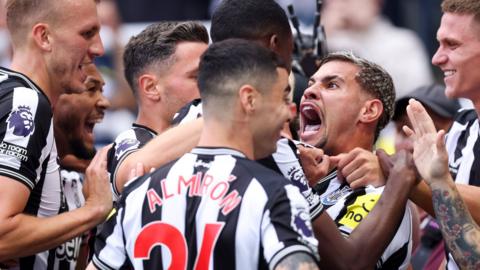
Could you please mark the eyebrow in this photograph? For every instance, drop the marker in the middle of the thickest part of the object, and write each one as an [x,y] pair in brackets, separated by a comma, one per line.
[327,79]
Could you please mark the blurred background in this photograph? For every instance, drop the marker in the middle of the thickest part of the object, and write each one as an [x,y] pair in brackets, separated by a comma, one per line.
[397,34]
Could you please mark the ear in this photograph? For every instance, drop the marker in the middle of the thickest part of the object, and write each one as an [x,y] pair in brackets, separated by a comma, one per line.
[41,36]
[273,42]
[148,85]
[248,97]
[371,111]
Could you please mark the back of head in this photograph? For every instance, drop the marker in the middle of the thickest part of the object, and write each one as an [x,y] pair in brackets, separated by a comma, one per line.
[374,80]
[471,7]
[249,19]
[155,47]
[228,65]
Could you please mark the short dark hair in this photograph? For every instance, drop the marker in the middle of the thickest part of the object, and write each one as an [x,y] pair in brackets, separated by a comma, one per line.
[156,45]
[374,80]
[462,7]
[229,64]
[248,19]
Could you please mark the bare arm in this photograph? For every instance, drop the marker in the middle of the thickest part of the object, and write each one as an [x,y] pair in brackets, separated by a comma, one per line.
[162,149]
[459,230]
[363,248]
[22,235]
[298,260]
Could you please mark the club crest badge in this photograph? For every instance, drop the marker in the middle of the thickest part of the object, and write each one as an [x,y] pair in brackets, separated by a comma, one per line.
[332,198]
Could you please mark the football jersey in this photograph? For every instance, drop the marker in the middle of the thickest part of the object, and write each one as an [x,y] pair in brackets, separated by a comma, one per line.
[284,161]
[210,209]
[126,143]
[28,153]
[463,147]
[67,254]
[349,207]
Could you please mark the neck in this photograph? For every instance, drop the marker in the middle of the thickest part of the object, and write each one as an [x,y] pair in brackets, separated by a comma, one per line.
[153,119]
[33,66]
[67,158]
[362,138]
[232,135]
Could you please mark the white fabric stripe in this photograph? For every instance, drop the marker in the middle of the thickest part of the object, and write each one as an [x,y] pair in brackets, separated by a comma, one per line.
[174,208]
[285,252]
[249,221]
[208,210]
[22,97]
[19,75]
[113,256]
[463,175]
[451,141]
[132,221]
[270,241]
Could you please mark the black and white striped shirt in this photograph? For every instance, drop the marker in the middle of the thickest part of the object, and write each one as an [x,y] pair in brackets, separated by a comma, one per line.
[463,147]
[349,207]
[126,143]
[28,153]
[212,208]
[284,161]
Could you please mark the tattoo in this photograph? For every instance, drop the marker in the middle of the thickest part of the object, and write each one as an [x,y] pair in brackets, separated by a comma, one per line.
[459,230]
[299,261]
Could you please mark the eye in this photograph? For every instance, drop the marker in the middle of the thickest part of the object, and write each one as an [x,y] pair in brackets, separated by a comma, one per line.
[332,85]
[89,34]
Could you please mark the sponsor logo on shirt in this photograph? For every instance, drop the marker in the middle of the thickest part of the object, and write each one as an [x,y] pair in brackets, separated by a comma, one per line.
[13,150]
[21,121]
[357,211]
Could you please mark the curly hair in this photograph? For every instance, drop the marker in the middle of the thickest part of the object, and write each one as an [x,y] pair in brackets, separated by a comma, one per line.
[374,80]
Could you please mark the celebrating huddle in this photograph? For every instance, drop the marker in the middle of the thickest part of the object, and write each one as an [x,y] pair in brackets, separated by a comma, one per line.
[209,175]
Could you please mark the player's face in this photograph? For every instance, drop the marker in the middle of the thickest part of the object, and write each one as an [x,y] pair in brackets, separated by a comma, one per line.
[458,55]
[180,80]
[76,114]
[271,115]
[75,43]
[331,106]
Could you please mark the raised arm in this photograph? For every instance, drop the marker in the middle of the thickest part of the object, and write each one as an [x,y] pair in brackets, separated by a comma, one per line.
[459,230]
[22,235]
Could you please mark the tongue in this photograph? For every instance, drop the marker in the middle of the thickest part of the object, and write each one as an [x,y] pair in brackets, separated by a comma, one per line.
[312,127]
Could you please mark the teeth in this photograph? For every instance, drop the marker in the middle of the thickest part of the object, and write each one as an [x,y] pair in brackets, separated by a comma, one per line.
[447,73]
[312,127]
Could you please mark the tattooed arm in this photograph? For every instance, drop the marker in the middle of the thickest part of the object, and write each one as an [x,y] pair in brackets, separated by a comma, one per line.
[298,260]
[459,230]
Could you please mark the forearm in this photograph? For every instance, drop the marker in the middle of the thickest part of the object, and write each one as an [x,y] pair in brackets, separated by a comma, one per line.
[421,195]
[23,235]
[459,230]
[164,148]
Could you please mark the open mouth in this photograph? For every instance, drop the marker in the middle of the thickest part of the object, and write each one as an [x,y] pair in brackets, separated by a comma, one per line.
[311,118]
[89,125]
[449,72]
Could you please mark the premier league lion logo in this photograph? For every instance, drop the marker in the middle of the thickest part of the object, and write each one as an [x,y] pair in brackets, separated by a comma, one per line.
[21,120]
[125,145]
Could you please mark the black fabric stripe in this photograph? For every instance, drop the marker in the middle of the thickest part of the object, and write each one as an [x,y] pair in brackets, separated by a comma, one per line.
[143,135]
[396,259]
[51,260]
[270,163]
[34,200]
[462,141]
[191,212]
[27,263]
[224,253]
[475,169]
[183,112]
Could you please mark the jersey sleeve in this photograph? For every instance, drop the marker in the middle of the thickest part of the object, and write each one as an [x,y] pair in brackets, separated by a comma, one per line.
[288,164]
[286,227]
[125,144]
[26,133]
[110,250]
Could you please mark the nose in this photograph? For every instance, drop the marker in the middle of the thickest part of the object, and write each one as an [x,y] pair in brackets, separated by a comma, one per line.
[439,57]
[96,48]
[103,103]
[310,93]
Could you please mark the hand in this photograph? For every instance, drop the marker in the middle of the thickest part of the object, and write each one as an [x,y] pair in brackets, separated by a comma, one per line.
[429,152]
[97,187]
[359,168]
[401,168]
[315,163]
[137,171]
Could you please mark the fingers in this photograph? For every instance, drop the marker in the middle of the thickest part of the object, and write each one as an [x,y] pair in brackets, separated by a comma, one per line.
[137,171]
[385,161]
[422,123]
